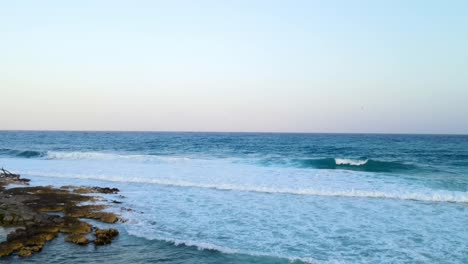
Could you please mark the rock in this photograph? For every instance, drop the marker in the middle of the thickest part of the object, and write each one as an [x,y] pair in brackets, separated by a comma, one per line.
[25,252]
[7,249]
[105,236]
[126,209]
[28,251]
[78,239]
[11,178]
[92,212]
[27,208]
[49,229]
[39,239]
[32,235]
[52,209]
[107,217]
[104,190]
[75,226]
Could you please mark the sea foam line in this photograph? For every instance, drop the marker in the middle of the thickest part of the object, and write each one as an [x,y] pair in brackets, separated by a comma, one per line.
[109,156]
[209,246]
[429,196]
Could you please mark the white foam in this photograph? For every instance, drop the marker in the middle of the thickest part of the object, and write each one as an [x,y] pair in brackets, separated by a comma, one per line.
[426,195]
[221,174]
[350,162]
[210,246]
[57,155]
[220,205]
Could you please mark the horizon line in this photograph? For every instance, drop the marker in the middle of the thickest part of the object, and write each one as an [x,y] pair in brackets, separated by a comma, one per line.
[232,132]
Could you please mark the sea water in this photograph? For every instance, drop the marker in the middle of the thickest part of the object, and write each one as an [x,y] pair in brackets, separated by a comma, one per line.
[258,197]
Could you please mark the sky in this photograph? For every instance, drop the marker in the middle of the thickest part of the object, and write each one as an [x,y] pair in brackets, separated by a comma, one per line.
[261,66]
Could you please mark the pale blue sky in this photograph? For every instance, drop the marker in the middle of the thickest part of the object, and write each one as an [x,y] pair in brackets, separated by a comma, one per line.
[290,66]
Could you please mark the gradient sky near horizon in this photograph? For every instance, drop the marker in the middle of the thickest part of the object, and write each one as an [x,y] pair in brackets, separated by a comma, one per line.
[268,66]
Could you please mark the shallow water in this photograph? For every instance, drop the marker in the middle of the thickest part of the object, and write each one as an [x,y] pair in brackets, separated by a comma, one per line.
[262,198]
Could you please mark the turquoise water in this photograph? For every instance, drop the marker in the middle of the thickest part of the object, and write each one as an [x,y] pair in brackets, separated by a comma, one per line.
[261,198]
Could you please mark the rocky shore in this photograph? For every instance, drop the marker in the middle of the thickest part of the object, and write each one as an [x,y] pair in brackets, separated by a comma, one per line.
[39,214]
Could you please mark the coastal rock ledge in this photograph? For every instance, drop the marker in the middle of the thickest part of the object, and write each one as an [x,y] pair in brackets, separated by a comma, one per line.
[40,213]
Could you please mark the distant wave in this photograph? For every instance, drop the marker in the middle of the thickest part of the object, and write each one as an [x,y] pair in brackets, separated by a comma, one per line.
[85,155]
[424,196]
[368,165]
[22,153]
[53,155]
[78,155]
[354,164]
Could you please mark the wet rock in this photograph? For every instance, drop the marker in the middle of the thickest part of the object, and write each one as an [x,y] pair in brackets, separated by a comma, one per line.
[104,190]
[107,217]
[126,209]
[28,208]
[28,251]
[7,249]
[75,226]
[92,212]
[11,178]
[52,209]
[26,241]
[105,236]
[78,239]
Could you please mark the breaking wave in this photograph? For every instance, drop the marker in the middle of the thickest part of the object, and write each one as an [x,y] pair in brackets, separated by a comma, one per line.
[22,153]
[202,246]
[416,195]
[83,155]
[369,165]
[350,162]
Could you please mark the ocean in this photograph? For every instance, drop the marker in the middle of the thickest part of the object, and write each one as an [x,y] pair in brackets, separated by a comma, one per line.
[259,197]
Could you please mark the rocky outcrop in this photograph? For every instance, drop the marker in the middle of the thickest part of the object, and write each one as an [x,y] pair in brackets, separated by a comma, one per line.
[91,212]
[105,236]
[29,209]
[7,177]
[78,239]
[84,189]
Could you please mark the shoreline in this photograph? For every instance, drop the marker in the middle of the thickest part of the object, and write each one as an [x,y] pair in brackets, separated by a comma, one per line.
[39,214]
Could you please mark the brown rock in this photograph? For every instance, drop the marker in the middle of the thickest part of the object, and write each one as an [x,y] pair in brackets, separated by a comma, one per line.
[25,207]
[39,239]
[52,209]
[7,249]
[92,212]
[78,239]
[105,190]
[107,217]
[75,226]
[105,236]
[25,252]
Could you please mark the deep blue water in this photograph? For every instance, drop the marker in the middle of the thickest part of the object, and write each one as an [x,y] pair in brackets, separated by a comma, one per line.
[263,198]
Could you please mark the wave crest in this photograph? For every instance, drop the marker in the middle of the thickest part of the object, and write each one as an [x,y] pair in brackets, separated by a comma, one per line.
[350,162]
[21,153]
[202,246]
[422,196]
[111,156]
[369,165]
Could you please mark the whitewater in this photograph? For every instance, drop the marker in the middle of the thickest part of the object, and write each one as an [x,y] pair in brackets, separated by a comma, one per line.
[268,198]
